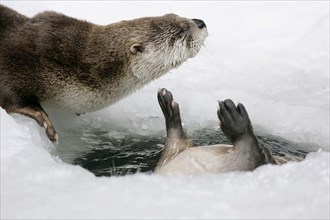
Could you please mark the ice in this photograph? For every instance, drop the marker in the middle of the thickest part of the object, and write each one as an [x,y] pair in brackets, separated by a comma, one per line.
[271,56]
[35,185]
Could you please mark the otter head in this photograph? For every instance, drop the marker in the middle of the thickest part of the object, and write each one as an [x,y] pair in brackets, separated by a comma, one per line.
[158,44]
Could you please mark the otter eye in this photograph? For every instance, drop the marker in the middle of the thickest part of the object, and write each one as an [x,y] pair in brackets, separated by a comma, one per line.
[179,32]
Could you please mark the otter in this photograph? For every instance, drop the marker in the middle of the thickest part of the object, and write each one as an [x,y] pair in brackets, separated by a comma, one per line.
[181,156]
[83,67]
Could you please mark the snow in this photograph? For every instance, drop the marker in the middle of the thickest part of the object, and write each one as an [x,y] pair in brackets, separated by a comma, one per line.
[271,56]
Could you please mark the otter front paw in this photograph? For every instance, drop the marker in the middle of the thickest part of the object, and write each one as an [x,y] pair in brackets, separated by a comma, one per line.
[235,121]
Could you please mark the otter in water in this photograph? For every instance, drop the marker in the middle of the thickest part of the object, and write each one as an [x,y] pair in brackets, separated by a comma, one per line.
[181,156]
[82,67]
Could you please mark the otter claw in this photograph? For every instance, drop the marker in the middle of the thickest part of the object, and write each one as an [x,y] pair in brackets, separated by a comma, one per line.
[52,135]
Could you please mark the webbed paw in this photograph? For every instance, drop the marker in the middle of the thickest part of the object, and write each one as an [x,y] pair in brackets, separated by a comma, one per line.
[235,121]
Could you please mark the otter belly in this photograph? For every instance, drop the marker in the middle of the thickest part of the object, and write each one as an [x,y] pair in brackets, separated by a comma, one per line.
[206,159]
[81,99]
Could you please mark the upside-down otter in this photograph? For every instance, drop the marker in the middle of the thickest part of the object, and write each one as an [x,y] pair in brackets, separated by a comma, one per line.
[83,67]
[181,156]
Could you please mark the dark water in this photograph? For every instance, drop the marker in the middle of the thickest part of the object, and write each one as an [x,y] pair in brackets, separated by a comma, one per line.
[121,153]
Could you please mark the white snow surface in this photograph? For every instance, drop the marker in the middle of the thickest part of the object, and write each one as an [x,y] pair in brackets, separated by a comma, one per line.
[272,56]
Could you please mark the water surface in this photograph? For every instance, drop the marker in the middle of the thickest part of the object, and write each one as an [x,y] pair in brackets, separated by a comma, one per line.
[118,152]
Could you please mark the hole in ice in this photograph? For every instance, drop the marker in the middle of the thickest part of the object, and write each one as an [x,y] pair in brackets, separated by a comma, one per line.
[119,152]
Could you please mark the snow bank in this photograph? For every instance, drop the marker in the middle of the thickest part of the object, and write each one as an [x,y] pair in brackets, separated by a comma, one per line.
[271,56]
[36,186]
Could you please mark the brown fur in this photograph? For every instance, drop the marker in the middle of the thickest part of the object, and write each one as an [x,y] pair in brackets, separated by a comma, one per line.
[81,66]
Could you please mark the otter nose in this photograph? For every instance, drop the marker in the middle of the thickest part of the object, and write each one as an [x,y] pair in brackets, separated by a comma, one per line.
[199,23]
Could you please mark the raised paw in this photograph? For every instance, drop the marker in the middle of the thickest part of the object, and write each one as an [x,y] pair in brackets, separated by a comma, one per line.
[235,121]
[171,112]
[165,99]
[169,107]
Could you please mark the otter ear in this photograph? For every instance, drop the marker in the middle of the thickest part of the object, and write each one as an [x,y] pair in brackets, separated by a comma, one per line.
[136,48]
